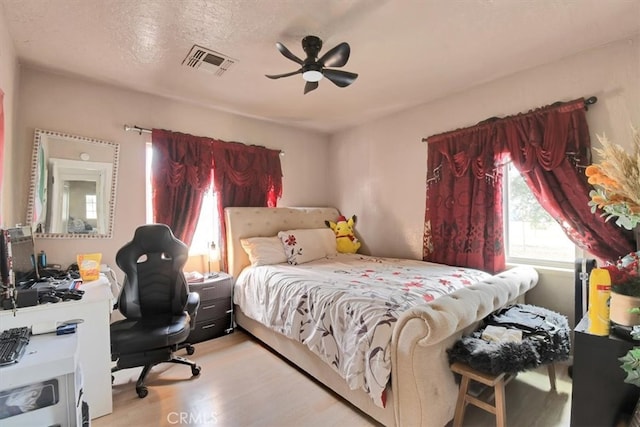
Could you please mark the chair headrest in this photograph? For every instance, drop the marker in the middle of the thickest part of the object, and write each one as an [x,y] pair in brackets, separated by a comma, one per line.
[158,238]
[154,238]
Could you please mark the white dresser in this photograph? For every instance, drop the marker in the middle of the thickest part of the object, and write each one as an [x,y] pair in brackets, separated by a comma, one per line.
[94,344]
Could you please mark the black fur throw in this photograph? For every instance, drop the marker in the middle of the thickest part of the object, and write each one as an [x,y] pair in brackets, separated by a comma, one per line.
[545,339]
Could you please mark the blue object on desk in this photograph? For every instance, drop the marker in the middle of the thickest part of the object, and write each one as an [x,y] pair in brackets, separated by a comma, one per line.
[66,329]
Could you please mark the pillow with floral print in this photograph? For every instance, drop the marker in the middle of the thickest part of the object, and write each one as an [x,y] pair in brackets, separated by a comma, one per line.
[306,245]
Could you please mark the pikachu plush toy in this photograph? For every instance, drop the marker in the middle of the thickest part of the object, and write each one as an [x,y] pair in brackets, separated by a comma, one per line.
[346,241]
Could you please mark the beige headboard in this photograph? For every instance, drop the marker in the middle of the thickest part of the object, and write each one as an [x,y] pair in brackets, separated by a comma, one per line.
[241,223]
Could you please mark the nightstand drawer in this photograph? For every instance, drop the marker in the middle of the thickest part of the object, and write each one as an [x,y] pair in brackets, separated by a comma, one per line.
[213,309]
[208,329]
[213,288]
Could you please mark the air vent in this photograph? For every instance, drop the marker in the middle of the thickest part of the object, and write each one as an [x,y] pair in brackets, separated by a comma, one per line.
[208,60]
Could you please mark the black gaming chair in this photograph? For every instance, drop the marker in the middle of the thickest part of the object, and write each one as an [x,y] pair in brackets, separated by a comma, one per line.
[159,311]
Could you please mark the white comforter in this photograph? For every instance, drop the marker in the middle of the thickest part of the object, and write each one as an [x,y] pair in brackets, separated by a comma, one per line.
[344,308]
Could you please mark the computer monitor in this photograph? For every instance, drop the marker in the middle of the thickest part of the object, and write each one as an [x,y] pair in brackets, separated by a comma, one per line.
[17,257]
[6,278]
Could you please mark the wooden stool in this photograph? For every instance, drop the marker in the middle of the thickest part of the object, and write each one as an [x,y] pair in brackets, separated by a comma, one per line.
[497,382]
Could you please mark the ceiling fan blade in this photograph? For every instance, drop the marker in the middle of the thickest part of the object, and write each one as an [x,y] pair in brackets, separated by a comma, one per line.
[287,53]
[277,76]
[336,57]
[340,78]
[309,86]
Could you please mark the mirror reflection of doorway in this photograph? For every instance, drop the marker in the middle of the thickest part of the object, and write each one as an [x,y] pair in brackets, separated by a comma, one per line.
[79,202]
[79,207]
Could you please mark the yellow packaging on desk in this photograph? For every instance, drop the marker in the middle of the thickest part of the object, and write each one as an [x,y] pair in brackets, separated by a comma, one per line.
[89,266]
[599,295]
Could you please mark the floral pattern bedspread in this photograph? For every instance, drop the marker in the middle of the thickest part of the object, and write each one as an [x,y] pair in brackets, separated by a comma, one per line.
[344,308]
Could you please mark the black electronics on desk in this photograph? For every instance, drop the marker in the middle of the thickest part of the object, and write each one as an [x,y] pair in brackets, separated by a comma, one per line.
[19,269]
[17,256]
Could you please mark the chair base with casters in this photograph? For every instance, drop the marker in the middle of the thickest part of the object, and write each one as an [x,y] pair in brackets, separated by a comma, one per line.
[188,347]
[157,356]
[148,342]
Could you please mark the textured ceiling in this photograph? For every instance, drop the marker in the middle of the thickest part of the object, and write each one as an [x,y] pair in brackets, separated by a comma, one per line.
[406,52]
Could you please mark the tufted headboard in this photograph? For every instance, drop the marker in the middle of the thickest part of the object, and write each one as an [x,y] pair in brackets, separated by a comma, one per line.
[241,223]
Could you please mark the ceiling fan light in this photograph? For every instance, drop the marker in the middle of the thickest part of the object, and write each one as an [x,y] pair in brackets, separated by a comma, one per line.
[312,76]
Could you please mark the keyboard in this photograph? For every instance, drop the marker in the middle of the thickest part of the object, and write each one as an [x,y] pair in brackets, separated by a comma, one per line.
[13,343]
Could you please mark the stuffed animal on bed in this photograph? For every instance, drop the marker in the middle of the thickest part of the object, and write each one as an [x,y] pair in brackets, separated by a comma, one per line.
[346,241]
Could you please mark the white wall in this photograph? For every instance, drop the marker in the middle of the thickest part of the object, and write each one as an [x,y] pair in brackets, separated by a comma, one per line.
[8,83]
[79,107]
[380,167]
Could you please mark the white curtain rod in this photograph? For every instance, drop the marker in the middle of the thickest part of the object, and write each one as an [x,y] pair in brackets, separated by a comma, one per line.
[136,129]
[142,130]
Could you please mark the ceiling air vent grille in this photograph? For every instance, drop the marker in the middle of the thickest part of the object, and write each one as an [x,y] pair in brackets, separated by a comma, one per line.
[208,60]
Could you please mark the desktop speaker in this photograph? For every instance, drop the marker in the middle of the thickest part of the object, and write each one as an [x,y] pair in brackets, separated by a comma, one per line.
[25,298]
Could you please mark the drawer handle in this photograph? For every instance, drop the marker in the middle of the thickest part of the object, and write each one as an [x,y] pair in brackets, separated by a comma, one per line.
[213,325]
[207,288]
[206,307]
[229,311]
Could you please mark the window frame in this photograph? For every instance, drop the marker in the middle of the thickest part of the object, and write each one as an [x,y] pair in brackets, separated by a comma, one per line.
[536,262]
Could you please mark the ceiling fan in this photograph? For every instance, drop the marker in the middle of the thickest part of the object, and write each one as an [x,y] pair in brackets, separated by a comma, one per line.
[314,69]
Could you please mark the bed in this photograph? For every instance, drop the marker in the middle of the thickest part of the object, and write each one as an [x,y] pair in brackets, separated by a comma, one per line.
[421,389]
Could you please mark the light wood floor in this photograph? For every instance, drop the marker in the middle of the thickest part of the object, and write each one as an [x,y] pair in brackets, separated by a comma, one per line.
[243,384]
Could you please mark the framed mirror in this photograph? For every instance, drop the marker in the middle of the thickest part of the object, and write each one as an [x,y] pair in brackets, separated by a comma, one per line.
[73,186]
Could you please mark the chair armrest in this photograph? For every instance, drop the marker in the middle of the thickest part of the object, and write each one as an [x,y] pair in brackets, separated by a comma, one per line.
[193,302]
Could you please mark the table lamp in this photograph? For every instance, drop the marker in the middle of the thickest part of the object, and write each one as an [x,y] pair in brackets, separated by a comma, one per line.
[213,256]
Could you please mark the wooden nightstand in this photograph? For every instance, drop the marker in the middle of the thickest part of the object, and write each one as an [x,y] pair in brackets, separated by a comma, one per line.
[215,314]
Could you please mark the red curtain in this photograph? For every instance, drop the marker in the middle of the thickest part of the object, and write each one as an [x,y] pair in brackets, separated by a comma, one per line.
[180,174]
[244,175]
[463,218]
[551,148]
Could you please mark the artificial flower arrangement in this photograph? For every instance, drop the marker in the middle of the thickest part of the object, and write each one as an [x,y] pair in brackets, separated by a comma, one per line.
[631,361]
[625,280]
[616,180]
[625,275]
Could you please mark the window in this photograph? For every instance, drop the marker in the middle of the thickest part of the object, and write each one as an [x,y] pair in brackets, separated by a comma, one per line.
[207,230]
[91,204]
[532,236]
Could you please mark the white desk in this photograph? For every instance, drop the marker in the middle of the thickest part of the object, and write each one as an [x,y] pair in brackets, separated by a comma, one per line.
[45,385]
[94,342]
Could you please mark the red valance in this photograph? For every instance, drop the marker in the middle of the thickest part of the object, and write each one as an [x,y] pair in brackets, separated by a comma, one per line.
[543,136]
[181,158]
[255,169]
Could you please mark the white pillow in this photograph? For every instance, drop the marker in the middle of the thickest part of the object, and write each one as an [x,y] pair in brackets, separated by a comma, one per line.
[306,245]
[264,250]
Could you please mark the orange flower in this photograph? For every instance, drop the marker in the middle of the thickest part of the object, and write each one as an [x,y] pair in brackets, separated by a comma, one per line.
[617,188]
[604,181]
[592,170]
